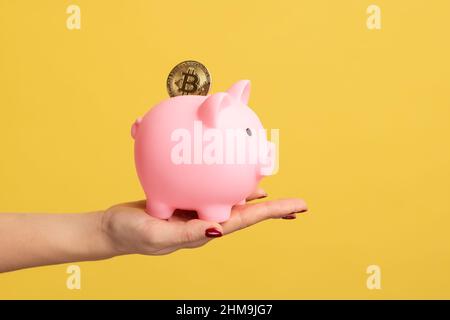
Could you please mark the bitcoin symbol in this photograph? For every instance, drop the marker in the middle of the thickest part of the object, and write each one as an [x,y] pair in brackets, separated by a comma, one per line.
[190,80]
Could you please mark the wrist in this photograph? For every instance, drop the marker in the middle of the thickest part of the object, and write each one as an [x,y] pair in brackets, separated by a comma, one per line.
[102,243]
[108,231]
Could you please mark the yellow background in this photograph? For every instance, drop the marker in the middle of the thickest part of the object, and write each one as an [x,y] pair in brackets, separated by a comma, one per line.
[364,138]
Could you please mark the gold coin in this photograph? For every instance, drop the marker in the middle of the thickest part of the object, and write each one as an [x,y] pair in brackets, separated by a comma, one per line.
[188,78]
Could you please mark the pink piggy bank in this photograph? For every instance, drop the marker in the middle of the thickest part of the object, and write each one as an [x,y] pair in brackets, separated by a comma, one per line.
[201,153]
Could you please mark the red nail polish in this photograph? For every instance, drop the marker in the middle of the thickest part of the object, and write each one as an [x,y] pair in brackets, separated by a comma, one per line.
[290,217]
[262,197]
[301,211]
[213,233]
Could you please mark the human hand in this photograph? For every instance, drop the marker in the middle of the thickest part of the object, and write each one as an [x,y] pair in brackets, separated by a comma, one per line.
[131,230]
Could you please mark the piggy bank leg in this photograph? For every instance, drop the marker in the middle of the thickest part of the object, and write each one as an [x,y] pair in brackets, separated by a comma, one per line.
[214,213]
[159,209]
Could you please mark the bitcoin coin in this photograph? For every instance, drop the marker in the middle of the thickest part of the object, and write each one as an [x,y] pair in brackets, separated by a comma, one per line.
[188,78]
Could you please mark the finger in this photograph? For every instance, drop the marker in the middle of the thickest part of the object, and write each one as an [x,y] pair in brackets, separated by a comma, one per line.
[196,244]
[259,193]
[190,245]
[182,233]
[291,216]
[244,216]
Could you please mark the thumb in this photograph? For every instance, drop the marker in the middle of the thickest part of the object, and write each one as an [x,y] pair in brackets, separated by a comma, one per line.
[197,230]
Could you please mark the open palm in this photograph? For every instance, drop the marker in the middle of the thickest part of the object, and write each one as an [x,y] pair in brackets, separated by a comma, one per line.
[132,230]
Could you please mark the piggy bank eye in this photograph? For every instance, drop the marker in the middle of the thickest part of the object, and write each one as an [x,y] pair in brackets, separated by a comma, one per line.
[249,132]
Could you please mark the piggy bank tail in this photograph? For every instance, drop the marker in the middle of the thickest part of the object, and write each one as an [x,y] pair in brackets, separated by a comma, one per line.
[135,127]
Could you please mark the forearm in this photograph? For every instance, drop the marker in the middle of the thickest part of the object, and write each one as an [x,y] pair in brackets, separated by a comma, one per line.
[29,240]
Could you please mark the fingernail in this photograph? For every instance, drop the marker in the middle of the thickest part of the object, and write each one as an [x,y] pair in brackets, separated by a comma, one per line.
[262,197]
[213,233]
[289,217]
[301,211]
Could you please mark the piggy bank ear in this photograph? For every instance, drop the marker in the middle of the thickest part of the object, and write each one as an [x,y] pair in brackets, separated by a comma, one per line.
[209,110]
[241,91]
